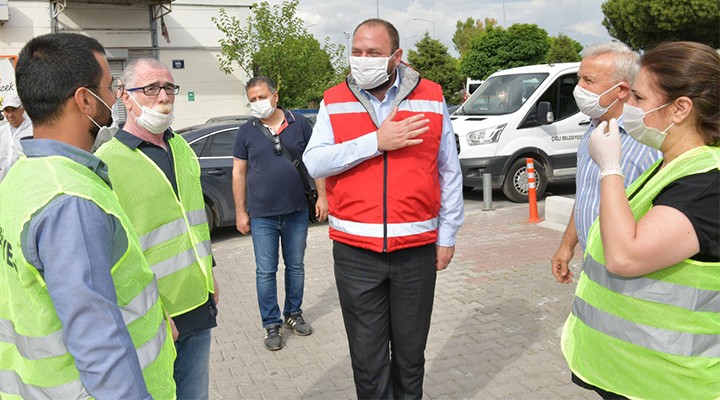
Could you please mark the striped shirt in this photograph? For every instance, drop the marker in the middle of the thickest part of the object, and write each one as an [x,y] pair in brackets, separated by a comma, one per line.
[636,158]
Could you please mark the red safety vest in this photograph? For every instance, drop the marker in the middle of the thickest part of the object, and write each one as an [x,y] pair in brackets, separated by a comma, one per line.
[392,201]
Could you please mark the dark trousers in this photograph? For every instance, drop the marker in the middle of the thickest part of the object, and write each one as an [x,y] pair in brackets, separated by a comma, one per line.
[386,301]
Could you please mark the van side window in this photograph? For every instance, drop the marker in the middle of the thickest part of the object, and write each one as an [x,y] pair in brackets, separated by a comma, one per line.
[560,97]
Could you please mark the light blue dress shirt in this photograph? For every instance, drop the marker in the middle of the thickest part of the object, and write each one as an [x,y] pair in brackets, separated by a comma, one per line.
[324,158]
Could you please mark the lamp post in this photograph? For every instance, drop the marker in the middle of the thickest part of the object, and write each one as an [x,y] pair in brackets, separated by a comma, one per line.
[347,40]
[409,37]
[426,20]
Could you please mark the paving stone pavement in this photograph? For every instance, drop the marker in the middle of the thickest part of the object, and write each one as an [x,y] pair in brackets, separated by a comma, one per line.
[494,335]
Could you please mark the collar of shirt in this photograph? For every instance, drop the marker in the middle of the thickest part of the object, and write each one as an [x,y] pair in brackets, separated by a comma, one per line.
[289,119]
[133,142]
[595,122]
[49,147]
[384,108]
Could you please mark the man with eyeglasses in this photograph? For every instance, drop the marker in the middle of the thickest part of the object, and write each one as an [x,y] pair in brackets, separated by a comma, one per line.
[270,204]
[80,313]
[156,176]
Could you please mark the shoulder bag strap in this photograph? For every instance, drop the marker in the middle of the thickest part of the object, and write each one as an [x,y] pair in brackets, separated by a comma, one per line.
[296,162]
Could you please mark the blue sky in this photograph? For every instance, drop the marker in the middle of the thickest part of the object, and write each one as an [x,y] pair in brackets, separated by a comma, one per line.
[579,19]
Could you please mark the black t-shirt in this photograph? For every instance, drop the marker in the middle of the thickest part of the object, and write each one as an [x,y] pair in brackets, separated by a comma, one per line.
[698,197]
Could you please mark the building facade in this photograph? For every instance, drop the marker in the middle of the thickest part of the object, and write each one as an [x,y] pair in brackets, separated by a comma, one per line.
[180,33]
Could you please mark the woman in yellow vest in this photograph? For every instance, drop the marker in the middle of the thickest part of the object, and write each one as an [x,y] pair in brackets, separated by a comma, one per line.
[645,322]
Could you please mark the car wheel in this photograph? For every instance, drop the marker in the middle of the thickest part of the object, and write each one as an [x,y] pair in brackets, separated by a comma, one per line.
[515,186]
[210,217]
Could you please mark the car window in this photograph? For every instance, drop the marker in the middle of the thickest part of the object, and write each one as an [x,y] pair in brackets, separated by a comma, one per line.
[561,99]
[515,89]
[560,96]
[221,145]
[198,145]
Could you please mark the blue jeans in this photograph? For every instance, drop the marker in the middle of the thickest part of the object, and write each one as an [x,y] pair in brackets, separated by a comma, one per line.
[268,233]
[192,366]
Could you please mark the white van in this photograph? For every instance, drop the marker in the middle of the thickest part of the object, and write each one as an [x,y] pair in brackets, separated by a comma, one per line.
[518,113]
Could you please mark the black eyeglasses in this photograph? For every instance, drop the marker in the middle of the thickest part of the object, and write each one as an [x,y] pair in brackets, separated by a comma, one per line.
[278,146]
[154,90]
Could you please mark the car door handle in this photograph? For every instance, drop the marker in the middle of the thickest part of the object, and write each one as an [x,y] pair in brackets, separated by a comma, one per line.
[216,172]
[583,123]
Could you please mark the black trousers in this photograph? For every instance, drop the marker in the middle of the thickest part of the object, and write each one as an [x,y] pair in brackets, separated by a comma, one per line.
[386,301]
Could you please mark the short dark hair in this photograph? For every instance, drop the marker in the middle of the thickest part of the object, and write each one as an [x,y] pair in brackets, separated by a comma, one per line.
[392,32]
[51,68]
[260,80]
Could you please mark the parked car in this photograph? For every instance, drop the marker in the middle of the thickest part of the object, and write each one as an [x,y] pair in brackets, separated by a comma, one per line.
[213,145]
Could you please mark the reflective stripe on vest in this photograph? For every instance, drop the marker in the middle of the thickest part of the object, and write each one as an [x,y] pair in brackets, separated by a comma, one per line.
[658,339]
[378,230]
[33,347]
[170,231]
[407,105]
[690,298]
[13,384]
[38,348]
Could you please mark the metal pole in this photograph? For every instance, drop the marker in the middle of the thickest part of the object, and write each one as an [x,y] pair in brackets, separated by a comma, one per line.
[377,7]
[487,191]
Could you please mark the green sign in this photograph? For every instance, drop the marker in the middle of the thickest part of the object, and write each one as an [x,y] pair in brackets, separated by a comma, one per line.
[191,96]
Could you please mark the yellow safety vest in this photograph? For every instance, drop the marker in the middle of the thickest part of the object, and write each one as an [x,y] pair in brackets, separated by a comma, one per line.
[34,362]
[173,230]
[655,336]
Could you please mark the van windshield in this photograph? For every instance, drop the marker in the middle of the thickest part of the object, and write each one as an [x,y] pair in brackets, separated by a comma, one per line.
[502,94]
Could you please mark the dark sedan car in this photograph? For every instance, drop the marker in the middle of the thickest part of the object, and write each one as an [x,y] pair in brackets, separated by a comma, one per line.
[213,144]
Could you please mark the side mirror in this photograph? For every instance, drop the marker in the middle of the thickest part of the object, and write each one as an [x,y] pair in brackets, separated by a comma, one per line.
[544,114]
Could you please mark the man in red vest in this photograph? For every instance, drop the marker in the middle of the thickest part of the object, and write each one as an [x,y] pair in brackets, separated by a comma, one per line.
[384,141]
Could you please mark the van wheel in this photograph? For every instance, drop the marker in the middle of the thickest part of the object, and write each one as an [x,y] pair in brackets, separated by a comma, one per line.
[210,217]
[515,186]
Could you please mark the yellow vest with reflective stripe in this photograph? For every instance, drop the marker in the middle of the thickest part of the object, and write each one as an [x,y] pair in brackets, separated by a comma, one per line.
[34,362]
[656,336]
[173,230]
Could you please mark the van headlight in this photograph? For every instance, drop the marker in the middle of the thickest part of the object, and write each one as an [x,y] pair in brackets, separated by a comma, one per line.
[485,136]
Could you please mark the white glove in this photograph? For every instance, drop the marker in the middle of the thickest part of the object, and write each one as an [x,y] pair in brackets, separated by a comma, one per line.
[605,148]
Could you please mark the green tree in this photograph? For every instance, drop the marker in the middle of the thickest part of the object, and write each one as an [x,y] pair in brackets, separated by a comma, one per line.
[465,31]
[499,48]
[563,49]
[644,23]
[433,62]
[274,42]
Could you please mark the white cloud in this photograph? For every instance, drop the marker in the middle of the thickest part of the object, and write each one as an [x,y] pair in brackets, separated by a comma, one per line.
[333,17]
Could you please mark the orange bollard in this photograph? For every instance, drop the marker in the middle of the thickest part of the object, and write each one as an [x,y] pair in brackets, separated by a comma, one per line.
[532,195]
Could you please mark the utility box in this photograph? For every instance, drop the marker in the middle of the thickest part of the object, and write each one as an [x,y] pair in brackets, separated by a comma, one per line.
[4,11]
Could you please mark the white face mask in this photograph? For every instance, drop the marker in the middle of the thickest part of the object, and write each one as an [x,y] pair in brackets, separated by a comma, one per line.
[261,109]
[369,72]
[636,128]
[154,121]
[109,130]
[589,102]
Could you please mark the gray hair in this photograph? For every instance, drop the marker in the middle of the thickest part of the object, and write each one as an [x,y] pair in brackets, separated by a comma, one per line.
[259,80]
[128,75]
[627,62]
